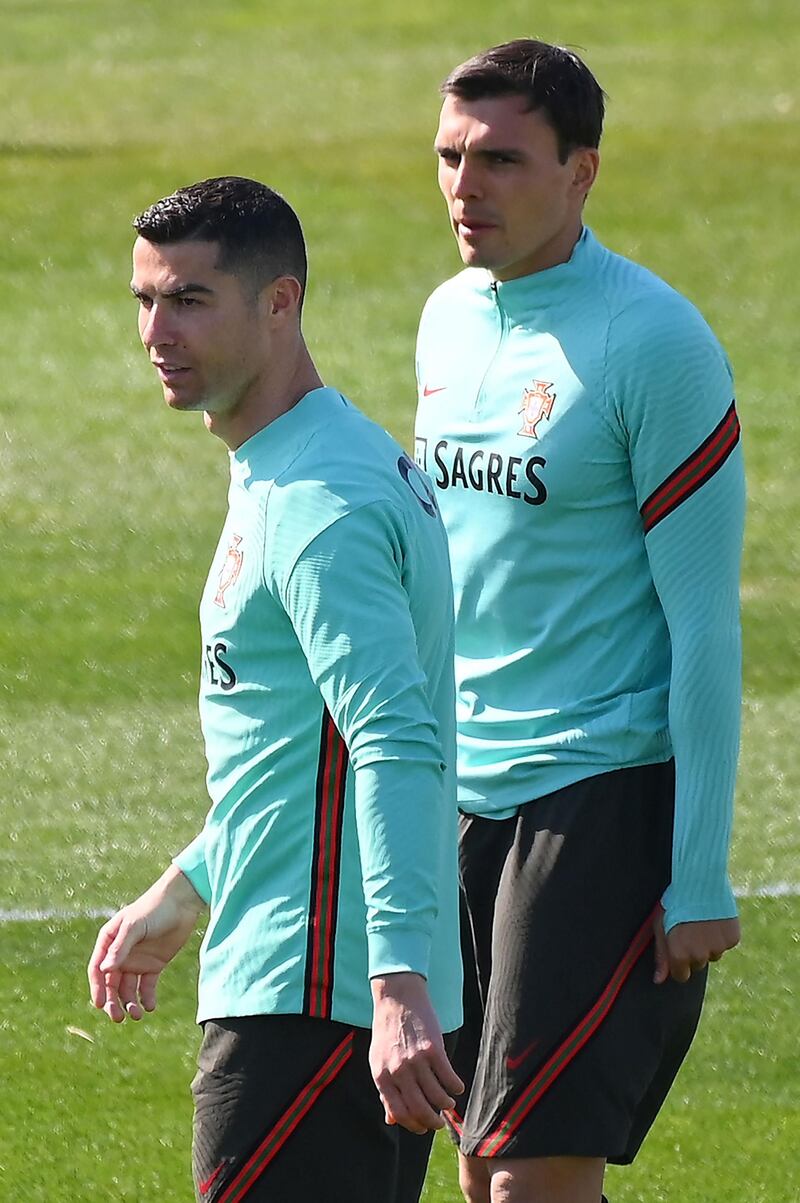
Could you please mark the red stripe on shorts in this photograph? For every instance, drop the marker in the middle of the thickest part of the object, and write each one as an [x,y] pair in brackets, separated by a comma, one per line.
[492,1144]
[280,1132]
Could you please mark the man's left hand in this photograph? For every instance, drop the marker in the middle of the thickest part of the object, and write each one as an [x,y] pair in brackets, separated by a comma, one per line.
[688,947]
[407,1057]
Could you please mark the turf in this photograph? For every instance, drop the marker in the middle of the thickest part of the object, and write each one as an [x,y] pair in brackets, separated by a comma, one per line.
[111,505]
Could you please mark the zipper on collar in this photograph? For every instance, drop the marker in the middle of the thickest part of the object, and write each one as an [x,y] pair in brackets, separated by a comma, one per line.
[479,396]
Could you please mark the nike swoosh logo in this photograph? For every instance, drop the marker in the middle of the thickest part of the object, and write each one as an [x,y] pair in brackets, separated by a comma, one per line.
[205,1187]
[428,392]
[515,1062]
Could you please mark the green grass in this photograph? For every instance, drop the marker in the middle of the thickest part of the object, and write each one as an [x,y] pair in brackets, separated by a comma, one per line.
[111,505]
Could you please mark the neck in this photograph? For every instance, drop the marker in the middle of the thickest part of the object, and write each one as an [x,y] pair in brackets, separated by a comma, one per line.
[558,250]
[266,399]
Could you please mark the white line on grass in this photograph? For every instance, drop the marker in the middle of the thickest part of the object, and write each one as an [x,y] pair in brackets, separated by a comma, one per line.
[55,915]
[779,889]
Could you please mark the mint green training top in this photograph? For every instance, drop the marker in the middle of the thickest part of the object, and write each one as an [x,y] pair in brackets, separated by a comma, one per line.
[327,707]
[579,427]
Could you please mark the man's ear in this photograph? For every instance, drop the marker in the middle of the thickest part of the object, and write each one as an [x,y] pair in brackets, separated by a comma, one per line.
[282,297]
[586,167]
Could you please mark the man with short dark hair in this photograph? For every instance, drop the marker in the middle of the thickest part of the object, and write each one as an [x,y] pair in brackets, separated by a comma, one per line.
[576,416]
[328,858]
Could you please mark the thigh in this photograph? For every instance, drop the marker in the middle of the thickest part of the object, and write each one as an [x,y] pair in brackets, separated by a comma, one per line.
[285,1108]
[484,845]
[576,1035]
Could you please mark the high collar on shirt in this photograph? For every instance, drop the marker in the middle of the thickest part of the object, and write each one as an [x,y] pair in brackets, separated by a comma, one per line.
[267,451]
[524,293]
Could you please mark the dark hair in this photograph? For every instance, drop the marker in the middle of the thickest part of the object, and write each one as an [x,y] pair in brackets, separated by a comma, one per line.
[551,79]
[259,234]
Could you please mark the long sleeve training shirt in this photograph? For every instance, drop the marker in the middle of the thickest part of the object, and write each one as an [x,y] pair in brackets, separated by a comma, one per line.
[327,705]
[579,429]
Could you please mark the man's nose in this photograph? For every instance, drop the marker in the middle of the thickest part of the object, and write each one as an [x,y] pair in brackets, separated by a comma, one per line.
[466,181]
[156,328]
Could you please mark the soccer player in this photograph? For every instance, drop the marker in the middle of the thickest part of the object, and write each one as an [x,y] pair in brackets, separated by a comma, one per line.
[577,419]
[328,858]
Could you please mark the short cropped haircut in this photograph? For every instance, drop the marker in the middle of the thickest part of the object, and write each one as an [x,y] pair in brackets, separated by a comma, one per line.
[551,80]
[258,232]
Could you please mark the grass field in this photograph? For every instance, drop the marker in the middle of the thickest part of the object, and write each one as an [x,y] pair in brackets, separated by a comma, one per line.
[111,505]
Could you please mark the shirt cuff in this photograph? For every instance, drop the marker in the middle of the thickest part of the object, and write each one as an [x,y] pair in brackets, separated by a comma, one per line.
[192,863]
[403,951]
[720,905]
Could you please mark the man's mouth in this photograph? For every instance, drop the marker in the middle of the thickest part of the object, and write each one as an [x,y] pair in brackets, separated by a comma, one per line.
[169,372]
[468,226]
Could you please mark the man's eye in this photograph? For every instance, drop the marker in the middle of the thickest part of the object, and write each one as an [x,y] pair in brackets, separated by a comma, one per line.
[185,302]
[450,157]
[145,302]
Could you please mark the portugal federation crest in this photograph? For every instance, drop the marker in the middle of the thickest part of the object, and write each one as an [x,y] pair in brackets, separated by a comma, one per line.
[229,573]
[537,404]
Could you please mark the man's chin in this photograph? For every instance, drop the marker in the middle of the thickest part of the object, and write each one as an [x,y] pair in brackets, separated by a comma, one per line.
[183,402]
[473,256]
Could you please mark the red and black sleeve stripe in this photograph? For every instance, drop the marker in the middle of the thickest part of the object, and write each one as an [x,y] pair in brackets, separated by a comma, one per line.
[325,870]
[693,473]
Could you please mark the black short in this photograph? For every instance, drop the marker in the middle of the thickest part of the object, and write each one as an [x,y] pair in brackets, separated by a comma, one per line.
[286,1111]
[568,1046]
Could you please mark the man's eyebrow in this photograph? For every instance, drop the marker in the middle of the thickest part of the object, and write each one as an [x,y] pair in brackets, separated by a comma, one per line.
[175,292]
[509,152]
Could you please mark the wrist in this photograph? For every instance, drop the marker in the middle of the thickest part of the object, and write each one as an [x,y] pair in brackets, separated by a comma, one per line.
[390,985]
[176,886]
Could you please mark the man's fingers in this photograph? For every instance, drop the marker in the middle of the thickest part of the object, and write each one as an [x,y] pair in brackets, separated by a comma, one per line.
[129,995]
[661,952]
[113,1007]
[416,1113]
[97,981]
[680,970]
[147,990]
[447,1076]
[692,945]
[128,934]
[423,1115]
[440,1083]
[415,1095]
[395,1108]
[432,1090]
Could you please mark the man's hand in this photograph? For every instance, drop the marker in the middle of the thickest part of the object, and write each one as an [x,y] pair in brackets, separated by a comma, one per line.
[409,1064]
[690,946]
[136,944]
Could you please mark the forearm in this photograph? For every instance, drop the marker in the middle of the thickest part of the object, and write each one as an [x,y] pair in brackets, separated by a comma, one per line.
[398,816]
[704,728]
[346,601]
[694,557]
[174,884]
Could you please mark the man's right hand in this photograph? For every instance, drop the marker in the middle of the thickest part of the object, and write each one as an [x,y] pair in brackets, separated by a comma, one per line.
[407,1057]
[138,942]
